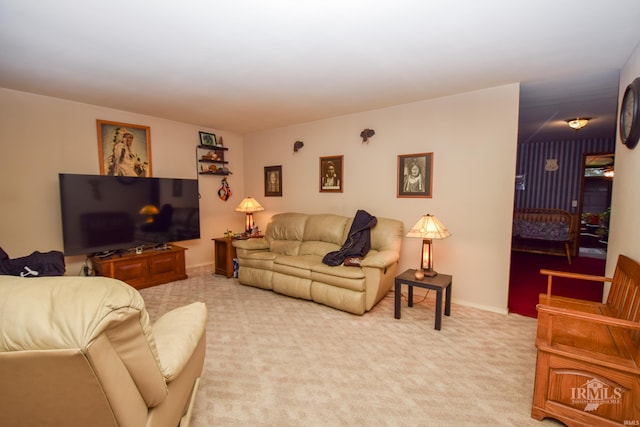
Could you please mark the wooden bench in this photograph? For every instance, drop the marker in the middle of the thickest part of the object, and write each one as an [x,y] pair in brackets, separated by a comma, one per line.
[588,363]
[544,231]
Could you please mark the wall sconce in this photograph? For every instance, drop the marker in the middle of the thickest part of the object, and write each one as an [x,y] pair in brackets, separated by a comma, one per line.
[249,205]
[578,123]
[427,228]
[366,134]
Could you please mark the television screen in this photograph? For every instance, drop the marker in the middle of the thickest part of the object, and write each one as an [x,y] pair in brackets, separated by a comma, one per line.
[109,213]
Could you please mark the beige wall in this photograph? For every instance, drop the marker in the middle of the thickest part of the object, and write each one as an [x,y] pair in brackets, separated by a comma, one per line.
[625,207]
[42,136]
[473,137]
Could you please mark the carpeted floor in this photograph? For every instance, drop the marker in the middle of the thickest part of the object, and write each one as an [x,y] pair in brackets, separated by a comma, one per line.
[526,282]
[279,361]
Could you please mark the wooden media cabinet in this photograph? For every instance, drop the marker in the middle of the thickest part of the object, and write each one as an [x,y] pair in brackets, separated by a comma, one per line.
[150,268]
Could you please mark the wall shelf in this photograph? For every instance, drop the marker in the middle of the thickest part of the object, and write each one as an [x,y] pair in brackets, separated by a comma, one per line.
[217,158]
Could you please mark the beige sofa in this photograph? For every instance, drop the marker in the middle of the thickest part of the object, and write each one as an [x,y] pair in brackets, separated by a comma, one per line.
[288,260]
[78,352]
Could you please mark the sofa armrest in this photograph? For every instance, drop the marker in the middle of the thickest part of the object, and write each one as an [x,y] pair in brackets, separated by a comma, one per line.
[251,244]
[177,334]
[380,259]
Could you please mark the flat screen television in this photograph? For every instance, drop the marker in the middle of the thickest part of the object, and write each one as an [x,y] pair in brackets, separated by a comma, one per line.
[103,214]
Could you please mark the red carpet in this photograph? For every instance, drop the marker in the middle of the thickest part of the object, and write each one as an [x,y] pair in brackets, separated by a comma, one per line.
[526,282]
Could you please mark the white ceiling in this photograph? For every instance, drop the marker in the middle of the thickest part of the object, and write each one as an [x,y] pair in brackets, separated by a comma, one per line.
[247,65]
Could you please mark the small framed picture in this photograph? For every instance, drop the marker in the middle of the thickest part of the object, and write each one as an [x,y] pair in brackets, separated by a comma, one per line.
[208,139]
[415,175]
[331,173]
[124,149]
[273,181]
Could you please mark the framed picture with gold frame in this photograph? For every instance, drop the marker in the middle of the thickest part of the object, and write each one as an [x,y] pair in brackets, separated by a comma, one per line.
[331,173]
[124,149]
[415,175]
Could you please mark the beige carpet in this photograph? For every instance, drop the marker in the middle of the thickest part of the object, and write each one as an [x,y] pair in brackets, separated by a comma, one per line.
[273,360]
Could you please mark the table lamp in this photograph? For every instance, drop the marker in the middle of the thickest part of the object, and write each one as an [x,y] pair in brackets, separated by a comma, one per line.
[427,228]
[249,205]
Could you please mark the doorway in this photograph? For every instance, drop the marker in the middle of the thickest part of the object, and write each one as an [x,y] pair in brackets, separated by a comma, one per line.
[595,204]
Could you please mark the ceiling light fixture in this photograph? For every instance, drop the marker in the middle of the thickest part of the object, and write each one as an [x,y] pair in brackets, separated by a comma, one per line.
[578,123]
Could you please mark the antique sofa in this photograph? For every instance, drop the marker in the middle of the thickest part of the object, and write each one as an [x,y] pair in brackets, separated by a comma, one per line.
[288,260]
[78,352]
[545,231]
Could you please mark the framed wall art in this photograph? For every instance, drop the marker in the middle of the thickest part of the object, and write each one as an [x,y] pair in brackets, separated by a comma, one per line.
[415,175]
[273,181]
[331,173]
[124,149]
[208,139]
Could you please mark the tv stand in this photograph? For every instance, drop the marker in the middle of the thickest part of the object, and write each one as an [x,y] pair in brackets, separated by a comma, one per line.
[150,268]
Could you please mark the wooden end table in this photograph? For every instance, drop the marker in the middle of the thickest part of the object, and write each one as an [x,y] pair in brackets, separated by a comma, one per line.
[224,253]
[438,283]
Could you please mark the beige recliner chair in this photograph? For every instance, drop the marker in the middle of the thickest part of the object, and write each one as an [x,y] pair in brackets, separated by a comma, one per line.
[77,351]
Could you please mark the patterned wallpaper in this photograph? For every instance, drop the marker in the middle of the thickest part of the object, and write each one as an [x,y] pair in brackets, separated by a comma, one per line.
[551,171]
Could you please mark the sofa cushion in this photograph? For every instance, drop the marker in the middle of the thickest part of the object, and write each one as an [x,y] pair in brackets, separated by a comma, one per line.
[316,247]
[323,233]
[352,278]
[286,226]
[545,230]
[299,266]
[387,235]
[339,271]
[177,334]
[326,228]
[285,247]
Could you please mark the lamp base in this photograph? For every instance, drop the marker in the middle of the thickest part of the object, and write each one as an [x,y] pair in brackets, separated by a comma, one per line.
[430,272]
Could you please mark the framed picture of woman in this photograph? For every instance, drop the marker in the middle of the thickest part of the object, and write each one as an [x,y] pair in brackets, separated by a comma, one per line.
[273,181]
[331,170]
[415,175]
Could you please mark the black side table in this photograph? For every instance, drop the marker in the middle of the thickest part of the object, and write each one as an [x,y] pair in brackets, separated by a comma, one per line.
[438,283]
